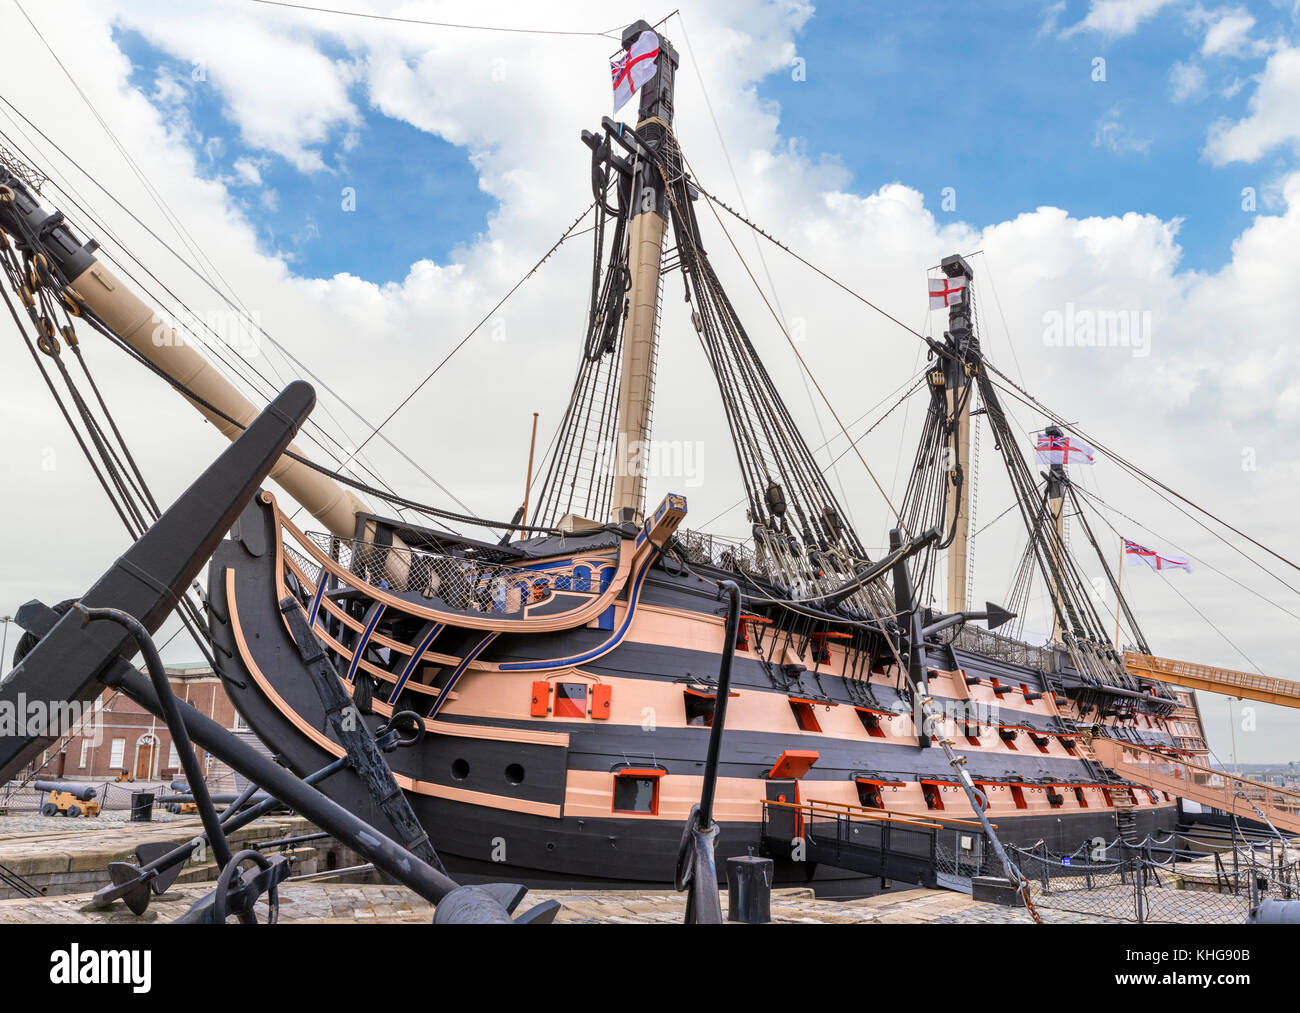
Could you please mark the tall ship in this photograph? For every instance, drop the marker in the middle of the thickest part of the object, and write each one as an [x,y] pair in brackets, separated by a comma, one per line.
[562,680]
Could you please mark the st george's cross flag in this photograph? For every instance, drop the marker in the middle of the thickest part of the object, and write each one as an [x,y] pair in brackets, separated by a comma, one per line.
[1063,450]
[945,292]
[634,68]
[1140,555]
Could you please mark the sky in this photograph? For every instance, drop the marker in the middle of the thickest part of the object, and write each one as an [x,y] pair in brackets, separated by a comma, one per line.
[369,190]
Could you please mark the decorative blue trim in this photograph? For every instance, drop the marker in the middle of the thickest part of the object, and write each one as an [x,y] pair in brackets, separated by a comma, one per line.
[315,602]
[416,654]
[443,693]
[578,659]
[360,647]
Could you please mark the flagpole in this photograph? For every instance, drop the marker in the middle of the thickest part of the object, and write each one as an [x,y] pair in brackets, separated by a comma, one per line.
[1119,589]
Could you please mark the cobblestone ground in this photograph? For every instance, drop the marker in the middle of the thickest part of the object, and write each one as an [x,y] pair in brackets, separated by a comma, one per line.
[33,823]
[377,904]
[33,844]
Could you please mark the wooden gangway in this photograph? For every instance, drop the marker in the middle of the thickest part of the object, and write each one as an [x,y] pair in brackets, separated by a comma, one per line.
[1212,679]
[1205,785]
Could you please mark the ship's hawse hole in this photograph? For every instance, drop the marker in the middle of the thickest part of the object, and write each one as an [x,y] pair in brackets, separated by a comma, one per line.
[460,769]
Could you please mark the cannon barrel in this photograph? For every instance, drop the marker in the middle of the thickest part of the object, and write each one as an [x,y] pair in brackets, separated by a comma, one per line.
[80,791]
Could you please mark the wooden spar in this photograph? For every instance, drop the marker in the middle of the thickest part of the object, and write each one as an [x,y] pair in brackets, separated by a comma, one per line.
[958,505]
[1119,590]
[1056,516]
[141,327]
[646,242]
[528,480]
[958,391]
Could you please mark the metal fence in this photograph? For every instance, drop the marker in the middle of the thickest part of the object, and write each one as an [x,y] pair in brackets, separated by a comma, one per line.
[111,795]
[1160,882]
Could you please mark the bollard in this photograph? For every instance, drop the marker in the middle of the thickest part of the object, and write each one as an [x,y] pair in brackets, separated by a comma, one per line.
[749,889]
[141,807]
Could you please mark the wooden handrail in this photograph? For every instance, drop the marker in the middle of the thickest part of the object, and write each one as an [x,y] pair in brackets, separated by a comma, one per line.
[1147,763]
[814,809]
[894,812]
[1212,679]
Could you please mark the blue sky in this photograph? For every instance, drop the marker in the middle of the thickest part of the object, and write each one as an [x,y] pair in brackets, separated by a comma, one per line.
[1000,104]
[1007,113]
[415,195]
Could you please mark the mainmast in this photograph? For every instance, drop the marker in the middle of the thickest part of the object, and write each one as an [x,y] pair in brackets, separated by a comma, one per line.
[958,390]
[649,222]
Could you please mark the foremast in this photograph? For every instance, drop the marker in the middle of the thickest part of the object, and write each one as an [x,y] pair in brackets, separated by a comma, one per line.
[647,228]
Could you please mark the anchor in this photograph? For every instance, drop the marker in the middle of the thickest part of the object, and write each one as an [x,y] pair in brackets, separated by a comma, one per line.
[86,647]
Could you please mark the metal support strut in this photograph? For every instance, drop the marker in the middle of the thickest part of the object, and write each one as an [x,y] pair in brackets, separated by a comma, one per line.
[697,869]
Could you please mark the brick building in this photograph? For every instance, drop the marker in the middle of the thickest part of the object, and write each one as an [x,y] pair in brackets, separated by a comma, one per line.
[131,739]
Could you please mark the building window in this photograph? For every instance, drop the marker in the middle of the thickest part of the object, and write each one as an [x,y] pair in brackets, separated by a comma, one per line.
[570,700]
[240,724]
[85,752]
[637,791]
[173,757]
[117,753]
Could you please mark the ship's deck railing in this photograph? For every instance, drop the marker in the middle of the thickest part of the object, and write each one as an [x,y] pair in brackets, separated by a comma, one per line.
[463,583]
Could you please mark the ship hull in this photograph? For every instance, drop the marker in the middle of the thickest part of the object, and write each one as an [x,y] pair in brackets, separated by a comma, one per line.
[505,792]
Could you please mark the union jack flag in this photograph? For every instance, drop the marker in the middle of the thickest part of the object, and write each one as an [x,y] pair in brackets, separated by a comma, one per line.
[1140,555]
[1063,450]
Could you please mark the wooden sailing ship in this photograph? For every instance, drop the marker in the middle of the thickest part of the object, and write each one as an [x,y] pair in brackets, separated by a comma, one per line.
[563,683]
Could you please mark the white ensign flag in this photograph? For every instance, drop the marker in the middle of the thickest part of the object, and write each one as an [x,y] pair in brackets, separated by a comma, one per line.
[634,68]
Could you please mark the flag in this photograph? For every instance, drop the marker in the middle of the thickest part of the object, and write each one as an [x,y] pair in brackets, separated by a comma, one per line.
[1140,555]
[945,292]
[634,68]
[1063,450]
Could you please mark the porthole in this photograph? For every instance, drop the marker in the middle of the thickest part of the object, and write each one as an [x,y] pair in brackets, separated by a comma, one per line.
[515,773]
[460,769]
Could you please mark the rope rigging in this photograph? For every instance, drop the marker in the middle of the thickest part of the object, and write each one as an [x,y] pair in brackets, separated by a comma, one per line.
[51,307]
[238,365]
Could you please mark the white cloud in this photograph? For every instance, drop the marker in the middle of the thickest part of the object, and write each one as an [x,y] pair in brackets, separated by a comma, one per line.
[1229,35]
[285,94]
[248,171]
[1186,82]
[1221,375]
[1116,18]
[1272,120]
[1117,138]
